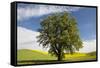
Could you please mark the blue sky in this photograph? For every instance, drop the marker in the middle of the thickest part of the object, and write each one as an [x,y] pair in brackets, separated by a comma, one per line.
[29,16]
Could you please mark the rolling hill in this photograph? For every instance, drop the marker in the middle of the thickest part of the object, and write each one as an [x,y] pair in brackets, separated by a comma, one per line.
[26,54]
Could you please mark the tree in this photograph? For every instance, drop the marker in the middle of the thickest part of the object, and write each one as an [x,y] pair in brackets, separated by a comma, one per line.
[59,32]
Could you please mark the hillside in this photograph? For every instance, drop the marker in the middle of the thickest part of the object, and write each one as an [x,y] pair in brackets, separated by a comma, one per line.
[91,53]
[80,56]
[25,54]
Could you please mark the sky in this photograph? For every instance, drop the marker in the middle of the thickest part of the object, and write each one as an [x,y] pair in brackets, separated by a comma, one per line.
[29,17]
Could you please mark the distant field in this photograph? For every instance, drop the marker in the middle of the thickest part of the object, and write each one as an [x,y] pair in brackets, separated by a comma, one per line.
[25,56]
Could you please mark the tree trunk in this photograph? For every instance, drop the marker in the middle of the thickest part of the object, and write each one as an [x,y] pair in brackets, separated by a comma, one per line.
[59,57]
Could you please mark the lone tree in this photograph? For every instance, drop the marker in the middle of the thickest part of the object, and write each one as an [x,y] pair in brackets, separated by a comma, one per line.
[60,34]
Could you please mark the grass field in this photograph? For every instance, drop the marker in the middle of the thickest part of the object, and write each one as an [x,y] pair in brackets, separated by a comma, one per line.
[25,56]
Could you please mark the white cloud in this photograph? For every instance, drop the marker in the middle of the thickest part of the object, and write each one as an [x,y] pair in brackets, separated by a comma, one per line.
[38,10]
[89,46]
[27,39]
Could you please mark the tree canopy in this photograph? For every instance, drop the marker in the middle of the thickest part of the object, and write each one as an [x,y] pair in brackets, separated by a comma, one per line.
[59,32]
